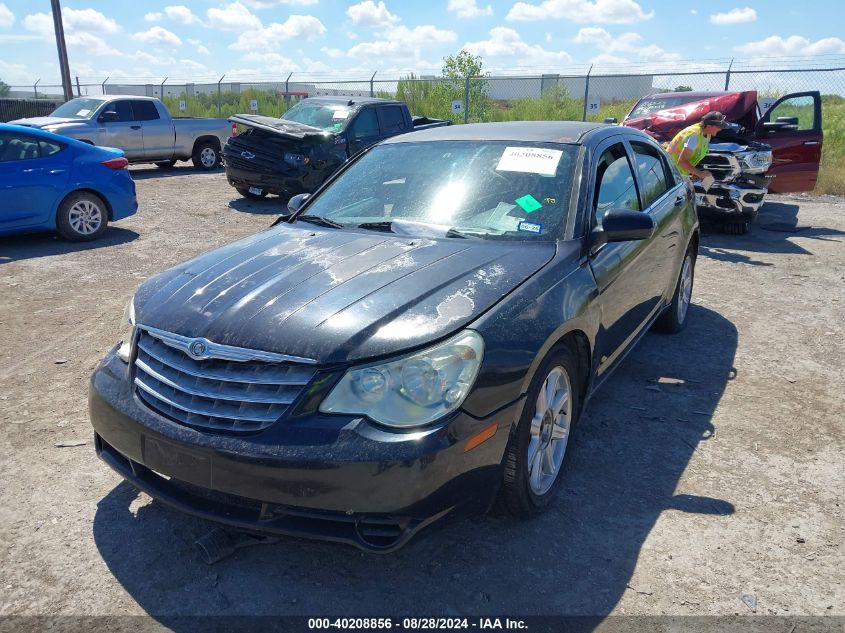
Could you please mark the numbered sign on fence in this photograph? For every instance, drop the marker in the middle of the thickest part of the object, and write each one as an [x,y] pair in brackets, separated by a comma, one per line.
[765,104]
[253,105]
[182,105]
[593,105]
[457,106]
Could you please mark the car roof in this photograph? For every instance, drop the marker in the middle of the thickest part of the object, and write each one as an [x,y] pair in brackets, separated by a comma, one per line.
[531,131]
[693,94]
[354,101]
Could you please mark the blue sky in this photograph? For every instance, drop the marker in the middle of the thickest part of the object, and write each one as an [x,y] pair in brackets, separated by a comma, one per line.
[202,39]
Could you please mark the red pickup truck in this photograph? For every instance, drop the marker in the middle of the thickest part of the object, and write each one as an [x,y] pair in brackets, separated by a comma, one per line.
[777,150]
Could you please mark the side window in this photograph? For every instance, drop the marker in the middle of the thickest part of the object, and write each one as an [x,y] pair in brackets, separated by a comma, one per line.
[615,186]
[123,109]
[17,147]
[365,125]
[145,111]
[393,119]
[652,172]
[803,108]
[49,148]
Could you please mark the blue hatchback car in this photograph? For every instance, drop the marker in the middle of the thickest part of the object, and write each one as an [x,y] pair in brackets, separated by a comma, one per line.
[54,183]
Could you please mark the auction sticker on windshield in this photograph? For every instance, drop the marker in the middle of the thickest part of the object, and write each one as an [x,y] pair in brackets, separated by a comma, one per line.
[83,113]
[530,160]
[340,114]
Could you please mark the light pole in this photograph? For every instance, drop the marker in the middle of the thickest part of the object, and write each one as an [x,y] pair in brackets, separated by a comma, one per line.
[67,86]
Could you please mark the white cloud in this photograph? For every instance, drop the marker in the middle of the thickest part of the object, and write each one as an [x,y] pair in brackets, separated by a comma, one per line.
[202,50]
[693,12]
[506,46]
[233,17]
[400,42]
[271,62]
[775,45]
[332,52]
[153,16]
[266,4]
[734,16]
[602,11]
[302,27]
[631,43]
[146,58]
[91,44]
[192,65]
[368,13]
[181,14]
[157,35]
[7,18]
[15,73]
[74,21]
[468,9]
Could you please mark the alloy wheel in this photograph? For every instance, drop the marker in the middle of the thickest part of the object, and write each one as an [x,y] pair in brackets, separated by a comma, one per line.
[85,217]
[685,290]
[549,433]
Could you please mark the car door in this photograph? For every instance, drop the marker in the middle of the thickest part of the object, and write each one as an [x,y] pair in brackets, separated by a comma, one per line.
[364,131]
[157,132]
[33,175]
[796,152]
[121,130]
[628,295]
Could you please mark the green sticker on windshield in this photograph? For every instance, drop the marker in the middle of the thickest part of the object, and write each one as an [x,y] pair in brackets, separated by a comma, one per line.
[528,203]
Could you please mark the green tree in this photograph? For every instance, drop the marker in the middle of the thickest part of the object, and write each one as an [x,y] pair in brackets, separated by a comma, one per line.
[4,89]
[683,88]
[456,69]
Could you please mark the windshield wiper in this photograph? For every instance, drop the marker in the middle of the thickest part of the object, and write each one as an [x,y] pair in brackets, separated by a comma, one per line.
[387,226]
[320,221]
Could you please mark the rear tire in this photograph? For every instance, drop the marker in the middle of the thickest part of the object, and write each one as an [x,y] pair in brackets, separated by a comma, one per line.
[82,217]
[536,450]
[674,318]
[206,156]
[246,193]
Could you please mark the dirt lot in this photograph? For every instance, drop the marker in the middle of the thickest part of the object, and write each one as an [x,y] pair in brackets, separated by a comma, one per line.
[680,497]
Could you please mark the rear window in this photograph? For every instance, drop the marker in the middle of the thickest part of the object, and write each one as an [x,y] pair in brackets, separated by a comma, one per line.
[145,110]
[393,118]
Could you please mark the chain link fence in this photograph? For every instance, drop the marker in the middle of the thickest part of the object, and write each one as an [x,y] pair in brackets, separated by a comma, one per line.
[588,96]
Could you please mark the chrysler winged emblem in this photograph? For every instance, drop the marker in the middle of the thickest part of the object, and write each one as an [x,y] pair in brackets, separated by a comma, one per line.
[248,155]
[197,348]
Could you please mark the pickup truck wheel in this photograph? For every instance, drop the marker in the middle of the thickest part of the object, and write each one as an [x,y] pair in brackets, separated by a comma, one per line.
[82,216]
[536,450]
[206,156]
[246,193]
[166,164]
[674,319]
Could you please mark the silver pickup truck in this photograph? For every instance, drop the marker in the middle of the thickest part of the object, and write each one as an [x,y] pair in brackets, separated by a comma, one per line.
[140,126]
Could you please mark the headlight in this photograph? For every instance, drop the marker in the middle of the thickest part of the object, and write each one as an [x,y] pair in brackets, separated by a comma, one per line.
[756,162]
[412,390]
[128,331]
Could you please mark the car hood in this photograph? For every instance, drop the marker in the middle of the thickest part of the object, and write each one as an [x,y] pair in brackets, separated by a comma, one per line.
[47,121]
[336,295]
[282,127]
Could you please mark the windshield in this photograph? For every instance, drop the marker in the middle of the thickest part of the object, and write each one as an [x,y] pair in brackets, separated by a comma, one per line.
[327,117]
[496,189]
[77,109]
[647,106]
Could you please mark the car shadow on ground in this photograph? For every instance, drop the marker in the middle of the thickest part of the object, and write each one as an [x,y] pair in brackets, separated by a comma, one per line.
[271,205]
[776,224]
[622,470]
[148,172]
[18,247]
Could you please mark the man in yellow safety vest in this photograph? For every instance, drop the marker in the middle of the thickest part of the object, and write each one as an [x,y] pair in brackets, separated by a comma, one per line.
[690,144]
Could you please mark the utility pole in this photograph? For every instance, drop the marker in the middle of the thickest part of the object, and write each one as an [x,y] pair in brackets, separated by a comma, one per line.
[67,86]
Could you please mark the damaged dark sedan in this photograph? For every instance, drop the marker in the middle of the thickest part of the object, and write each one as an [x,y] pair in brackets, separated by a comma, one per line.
[414,342]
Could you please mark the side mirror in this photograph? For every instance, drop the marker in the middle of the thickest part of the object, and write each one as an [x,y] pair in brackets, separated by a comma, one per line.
[623,225]
[611,120]
[295,203]
[109,116]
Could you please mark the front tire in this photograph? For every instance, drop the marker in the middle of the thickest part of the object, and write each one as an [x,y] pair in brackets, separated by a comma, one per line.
[82,217]
[674,318]
[165,164]
[536,450]
[206,156]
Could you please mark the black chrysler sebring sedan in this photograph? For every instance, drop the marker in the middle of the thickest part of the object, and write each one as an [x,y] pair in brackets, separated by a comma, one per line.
[411,343]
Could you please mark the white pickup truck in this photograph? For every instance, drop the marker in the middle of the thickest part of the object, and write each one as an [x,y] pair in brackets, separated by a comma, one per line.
[140,126]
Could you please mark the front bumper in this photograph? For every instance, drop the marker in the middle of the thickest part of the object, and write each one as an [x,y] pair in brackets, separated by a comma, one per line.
[337,478]
[292,182]
[730,201]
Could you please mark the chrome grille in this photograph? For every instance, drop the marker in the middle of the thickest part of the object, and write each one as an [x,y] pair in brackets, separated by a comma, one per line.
[237,392]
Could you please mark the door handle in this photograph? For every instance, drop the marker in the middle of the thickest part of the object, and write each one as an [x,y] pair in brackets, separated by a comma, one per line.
[135,127]
[680,200]
[56,172]
[811,142]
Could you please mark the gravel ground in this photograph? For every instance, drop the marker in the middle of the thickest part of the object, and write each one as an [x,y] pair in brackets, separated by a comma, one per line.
[706,478]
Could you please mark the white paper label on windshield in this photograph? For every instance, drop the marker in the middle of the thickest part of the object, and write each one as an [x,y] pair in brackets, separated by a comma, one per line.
[83,113]
[530,160]
[340,114]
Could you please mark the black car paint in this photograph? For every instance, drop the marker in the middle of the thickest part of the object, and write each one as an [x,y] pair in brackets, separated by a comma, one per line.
[348,466]
[257,159]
